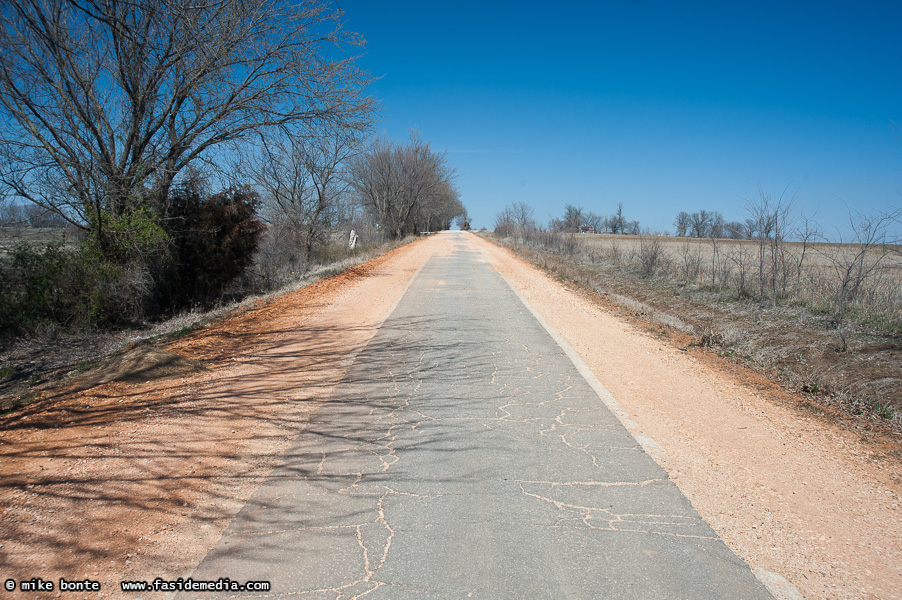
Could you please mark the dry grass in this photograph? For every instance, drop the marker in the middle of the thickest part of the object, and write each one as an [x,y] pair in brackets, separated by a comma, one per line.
[11,236]
[713,291]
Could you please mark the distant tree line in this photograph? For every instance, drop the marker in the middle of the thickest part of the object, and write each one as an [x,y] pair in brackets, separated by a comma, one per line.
[14,214]
[711,224]
[519,217]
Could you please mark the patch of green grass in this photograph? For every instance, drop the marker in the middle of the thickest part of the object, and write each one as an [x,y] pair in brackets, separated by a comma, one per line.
[34,379]
[816,308]
[186,330]
[189,329]
[882,321]
[6,372]
[884,412]
[81,367]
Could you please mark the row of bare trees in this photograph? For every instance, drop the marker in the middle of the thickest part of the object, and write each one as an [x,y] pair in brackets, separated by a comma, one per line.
[576,217]
[712,224]
[407,187]
[519,218]
[17,215]
[145,123]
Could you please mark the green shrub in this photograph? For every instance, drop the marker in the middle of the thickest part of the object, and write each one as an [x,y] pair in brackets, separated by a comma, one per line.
[137,264]
[33,290]
[135,236]
[73,288]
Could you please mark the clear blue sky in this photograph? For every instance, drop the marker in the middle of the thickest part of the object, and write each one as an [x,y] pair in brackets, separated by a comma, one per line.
[662,105]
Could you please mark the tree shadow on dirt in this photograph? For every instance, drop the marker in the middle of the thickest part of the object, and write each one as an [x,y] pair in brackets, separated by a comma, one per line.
[81,468]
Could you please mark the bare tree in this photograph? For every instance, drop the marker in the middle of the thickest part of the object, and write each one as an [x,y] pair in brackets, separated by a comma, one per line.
[699,223]
[11,212]
[301,179]
[516,219]
[741,256]
[735,230]
[651,254]
[783,222]
[106,102]
[682,223]
[718,225]
[595,221]
[807,234]
[761,212]
[714,240]
[691,259]
[438,209]
[750,228]
[505,222]
[524,217]
[570,222]
[573,218]
[37,216]
[617,220]
[857,259]
[631,228]
[395,181]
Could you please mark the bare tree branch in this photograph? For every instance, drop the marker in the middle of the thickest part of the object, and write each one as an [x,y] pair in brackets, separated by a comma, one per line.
[105,102]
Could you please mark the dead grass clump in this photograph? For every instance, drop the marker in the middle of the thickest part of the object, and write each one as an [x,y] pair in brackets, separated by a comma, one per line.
[718,336]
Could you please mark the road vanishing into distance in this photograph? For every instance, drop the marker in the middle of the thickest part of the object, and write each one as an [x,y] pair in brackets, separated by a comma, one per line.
[465,456]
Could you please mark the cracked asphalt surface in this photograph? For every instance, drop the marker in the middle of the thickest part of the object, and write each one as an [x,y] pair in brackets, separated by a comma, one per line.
[464,456]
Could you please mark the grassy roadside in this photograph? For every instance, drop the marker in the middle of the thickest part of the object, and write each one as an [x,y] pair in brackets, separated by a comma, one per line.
[789,342]
[31,366]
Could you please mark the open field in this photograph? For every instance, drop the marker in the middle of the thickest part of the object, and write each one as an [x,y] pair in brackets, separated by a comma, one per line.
[783,319]
[798,272]
[11,236]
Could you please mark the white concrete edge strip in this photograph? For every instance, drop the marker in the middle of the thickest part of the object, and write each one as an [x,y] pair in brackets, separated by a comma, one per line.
[776,584]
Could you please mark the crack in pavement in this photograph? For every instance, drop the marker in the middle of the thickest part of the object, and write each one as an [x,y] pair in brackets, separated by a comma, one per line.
[612,518]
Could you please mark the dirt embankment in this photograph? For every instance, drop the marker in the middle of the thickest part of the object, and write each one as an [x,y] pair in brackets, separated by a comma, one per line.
[127,480]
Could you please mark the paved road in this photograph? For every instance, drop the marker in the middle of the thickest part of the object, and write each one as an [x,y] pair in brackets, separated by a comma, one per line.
[465,457]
